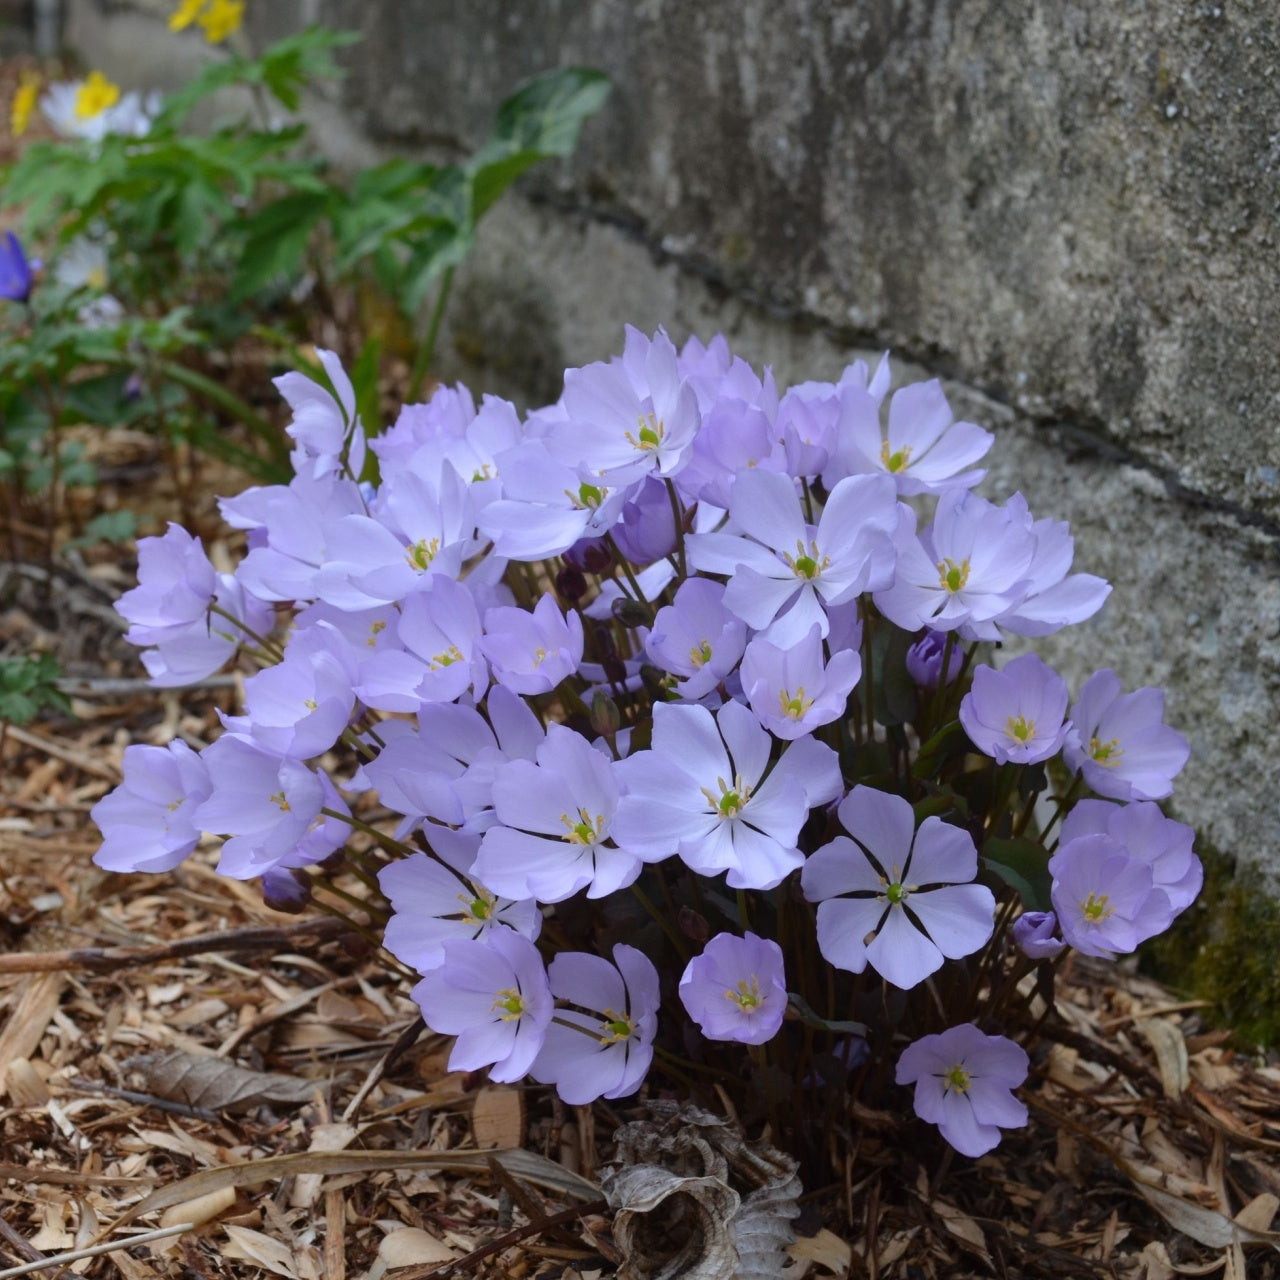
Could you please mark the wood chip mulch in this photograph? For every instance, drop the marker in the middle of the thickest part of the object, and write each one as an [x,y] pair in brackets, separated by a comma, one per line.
[173,1052]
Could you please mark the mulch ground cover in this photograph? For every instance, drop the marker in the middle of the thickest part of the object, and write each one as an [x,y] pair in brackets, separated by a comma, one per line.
[174,1052]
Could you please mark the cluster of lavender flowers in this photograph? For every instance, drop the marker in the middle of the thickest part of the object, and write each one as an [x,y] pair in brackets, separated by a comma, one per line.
[676,645]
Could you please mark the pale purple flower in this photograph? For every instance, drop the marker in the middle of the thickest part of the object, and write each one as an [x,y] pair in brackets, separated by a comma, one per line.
[493,995]
[606,1047]
[326,429]
[170,611]
[531,652]
[967,568]
[893,897]
[696,638]
[734,437]
[792,690]
[630,417]
[438,658]
[300,706]
[964,1084]
[1162,843]
[923,448]
[554,817]
[297,530]
[925,656]
[440,421]
[432,902]
[782,570]
[646,529]
[270,808]
[1105,899]
[422,524]
[1035,934]
[1016,715]
[736,989]
[1054,599]
[702,791]
[148,822]
[1120,743]
[547,505]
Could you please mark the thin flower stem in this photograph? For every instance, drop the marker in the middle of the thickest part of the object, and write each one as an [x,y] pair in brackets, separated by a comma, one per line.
[677,514]
[427,351]
[625,565]
[268,647]
[389,843]
[662,922]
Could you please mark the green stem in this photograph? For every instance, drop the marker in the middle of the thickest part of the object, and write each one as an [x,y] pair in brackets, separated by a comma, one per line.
[677,514]
[233,404]
[426,352]
[386,841]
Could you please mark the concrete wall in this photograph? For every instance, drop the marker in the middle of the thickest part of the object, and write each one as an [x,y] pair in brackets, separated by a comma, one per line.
[1066,209]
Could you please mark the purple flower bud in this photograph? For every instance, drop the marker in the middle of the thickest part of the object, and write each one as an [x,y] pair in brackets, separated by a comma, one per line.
[1033,931]
[15,269]
[924,660]
[589,554]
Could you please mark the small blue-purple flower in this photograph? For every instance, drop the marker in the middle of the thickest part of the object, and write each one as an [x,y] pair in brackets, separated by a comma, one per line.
[1016,716]
[925,658]
[696,638]
[1120,743]
[736,989]
[1035,934]
[964,1084]
[15,269]
[531,652]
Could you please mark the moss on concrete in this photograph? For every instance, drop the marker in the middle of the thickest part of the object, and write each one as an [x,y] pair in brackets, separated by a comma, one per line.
[1226,949]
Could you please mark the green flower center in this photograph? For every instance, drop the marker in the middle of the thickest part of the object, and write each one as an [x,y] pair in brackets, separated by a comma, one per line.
[1021,730]
[446,659]
[508,1004]
[794,706]
[1096,908]
[895,461]
[731,800]
[957,1079]
[422,553]
[616,1027]
[746,995]
[650,435]
[808,562]
[951,576]
[1107,753]
[700,654]
[585,831]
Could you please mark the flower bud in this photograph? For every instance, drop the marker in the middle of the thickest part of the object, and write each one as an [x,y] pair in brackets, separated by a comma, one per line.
[589,554]
[571,584]
[631,613]
[606,719]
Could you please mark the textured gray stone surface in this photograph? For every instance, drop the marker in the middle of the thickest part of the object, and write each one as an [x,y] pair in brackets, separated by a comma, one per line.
[1068,210]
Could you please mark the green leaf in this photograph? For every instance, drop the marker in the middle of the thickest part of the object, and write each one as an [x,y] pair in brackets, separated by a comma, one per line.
[807,1015]
[1023,865]
[894,693]
[540,120]
[275,241]
[27,687]
[109,526]
[951,740]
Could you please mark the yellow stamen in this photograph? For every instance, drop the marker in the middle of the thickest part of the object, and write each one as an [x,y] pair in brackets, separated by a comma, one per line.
[807,563]
[797,707]
[1021,730]
[1106,754]
[700,654]
[508,1004]
[1097,908]
[422,553]
[957,1079]
[652,431]
[616,1027]
[586,830]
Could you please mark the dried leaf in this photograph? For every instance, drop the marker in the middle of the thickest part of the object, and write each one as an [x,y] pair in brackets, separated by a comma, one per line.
[826,1249]
[521,1164]
[411,1246]
[1206,1226]
[1259,1213]
[254,1246]
[214,1084]
[1170,1048]
[199,1210]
